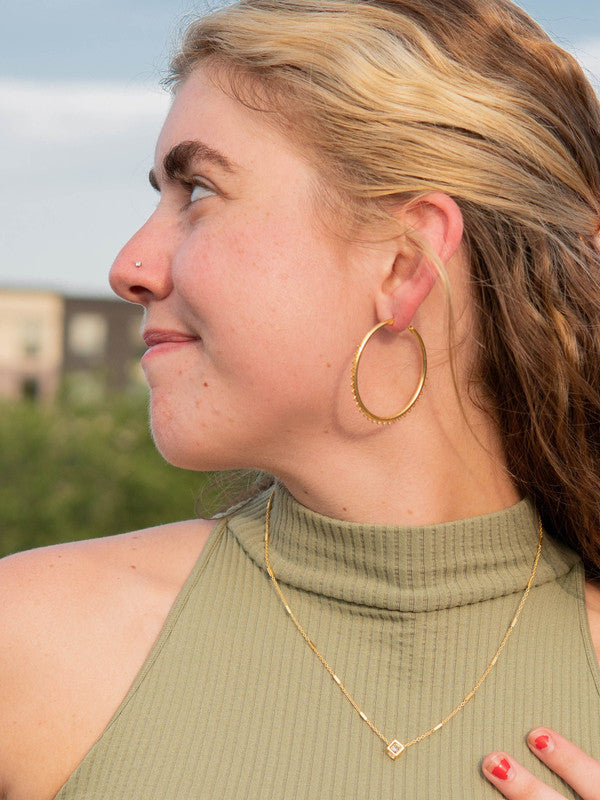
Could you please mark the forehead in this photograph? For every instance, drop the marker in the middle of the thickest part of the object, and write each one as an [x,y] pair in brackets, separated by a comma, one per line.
[202,111]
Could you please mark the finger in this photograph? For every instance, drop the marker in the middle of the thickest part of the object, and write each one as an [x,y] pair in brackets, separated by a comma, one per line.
[514,781]
[574,766]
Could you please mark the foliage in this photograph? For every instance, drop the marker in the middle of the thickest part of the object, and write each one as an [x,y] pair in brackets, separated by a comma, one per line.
[72,472]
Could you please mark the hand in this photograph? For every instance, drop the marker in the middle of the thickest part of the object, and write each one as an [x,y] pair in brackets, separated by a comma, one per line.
[576,768]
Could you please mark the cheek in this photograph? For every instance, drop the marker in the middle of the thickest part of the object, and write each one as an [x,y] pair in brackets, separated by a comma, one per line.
[251,267]
[270,296]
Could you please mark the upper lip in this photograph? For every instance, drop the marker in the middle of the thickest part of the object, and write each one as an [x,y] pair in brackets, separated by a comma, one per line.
[153,336]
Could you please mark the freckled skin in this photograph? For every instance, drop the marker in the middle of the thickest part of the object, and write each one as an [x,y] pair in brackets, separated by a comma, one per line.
[251,271]
[79,621]
[248,273]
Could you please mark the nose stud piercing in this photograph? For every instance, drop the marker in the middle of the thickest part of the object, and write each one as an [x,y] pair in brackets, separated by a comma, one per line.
[138,264]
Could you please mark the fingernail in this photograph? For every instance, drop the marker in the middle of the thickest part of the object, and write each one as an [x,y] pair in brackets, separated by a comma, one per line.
[542,742]
[500,768]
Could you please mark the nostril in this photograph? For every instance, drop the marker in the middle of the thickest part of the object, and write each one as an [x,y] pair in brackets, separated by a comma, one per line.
[138,291]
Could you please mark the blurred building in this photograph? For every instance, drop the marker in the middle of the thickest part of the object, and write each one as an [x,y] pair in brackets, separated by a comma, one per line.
[102,346]
[31,344]
[84,347]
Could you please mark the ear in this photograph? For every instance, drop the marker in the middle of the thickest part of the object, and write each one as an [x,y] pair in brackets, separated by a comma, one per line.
[433,226]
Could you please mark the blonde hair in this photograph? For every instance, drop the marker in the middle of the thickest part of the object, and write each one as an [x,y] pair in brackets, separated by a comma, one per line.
[394,98]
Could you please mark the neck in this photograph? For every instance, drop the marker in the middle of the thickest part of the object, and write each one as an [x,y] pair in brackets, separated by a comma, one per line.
[441,462]
[432,466]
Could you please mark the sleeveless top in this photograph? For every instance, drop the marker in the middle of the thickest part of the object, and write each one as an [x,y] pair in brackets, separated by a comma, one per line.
[232,703]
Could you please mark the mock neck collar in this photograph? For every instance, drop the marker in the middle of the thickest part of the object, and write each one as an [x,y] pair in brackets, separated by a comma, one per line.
[399,568]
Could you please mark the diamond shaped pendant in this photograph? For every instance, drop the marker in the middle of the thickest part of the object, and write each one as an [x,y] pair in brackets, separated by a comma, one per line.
[395,749]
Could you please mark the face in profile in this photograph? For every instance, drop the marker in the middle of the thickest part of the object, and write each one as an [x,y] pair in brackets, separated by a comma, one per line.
[252,304]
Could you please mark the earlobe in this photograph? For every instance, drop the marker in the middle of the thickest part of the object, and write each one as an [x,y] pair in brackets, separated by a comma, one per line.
[433,230]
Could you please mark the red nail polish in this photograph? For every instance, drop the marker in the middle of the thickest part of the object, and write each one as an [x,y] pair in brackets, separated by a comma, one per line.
[501,770]
[542,742]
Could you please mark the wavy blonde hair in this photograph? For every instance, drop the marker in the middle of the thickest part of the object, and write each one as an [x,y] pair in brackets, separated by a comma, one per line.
[394,98]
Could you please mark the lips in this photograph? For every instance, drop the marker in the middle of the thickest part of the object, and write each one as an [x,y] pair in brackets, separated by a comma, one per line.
[153,337]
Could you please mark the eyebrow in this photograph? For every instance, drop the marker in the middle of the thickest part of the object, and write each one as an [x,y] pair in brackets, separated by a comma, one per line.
[177,164]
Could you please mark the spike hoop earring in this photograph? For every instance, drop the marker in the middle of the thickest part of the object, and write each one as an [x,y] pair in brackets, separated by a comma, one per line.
[355,367]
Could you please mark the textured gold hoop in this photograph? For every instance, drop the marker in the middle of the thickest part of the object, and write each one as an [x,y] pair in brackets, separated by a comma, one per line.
[355,365]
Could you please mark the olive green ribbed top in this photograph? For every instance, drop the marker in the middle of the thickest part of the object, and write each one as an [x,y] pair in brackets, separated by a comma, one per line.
[231,702]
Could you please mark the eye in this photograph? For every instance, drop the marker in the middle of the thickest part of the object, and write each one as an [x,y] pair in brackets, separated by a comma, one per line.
[200,189]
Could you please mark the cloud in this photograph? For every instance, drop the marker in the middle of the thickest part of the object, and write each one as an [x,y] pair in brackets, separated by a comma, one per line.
[63,113]
[74,177]
[68,133]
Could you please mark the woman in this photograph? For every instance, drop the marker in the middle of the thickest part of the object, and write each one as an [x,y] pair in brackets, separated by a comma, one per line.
[421,178]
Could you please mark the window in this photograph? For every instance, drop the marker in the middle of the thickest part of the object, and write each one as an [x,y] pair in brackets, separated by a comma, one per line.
[87,334]
[30,389]
[31,336]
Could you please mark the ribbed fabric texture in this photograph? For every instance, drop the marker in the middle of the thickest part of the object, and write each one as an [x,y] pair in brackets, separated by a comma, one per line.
[231,702]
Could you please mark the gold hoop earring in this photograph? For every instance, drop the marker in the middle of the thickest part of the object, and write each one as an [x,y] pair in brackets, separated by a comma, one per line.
[355,365]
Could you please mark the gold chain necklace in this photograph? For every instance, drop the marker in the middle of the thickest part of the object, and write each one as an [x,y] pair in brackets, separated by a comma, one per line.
[394,747]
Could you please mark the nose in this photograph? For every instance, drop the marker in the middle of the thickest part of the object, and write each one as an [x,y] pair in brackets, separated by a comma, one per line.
[142,270]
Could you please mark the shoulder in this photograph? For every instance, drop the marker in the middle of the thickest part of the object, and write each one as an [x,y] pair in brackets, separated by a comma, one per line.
[97,575]
[78,621]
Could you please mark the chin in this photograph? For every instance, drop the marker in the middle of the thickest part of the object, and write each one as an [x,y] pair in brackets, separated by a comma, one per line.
[199,445]
[174,449]
[171,440]
[183,450]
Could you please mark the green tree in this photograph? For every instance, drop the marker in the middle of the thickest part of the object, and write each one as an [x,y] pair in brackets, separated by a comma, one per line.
[72,472]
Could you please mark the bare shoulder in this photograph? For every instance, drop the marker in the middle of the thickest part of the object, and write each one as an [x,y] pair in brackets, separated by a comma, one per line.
[78,620]
[94,578]
[146,549]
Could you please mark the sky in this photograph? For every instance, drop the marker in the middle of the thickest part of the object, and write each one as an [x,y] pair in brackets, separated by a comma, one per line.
[80,109]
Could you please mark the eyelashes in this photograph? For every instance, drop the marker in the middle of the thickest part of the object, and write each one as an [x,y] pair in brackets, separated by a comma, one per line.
[194,189]
[198,189]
